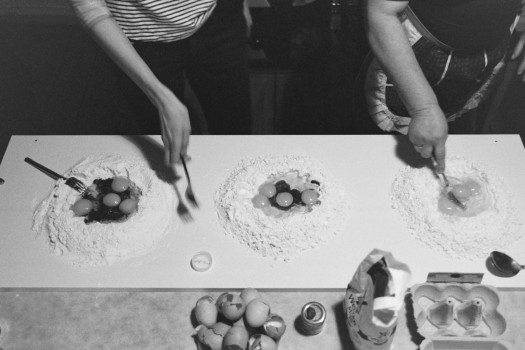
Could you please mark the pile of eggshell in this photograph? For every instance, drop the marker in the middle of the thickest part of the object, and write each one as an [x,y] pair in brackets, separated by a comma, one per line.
[237,321]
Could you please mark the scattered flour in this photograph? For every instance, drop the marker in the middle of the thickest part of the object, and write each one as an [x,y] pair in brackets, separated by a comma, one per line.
[283,237]
[98,243]
[416,192]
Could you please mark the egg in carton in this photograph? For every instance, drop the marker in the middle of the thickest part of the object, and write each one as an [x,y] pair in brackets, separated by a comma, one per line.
[457,309]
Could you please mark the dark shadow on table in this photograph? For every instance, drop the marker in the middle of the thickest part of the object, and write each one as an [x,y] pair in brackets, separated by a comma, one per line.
[406,152]
[342,329]
[154,154]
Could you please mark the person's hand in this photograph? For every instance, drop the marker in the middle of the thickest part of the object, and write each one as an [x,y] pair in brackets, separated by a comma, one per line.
[517,52]
[428,132]
[175,127]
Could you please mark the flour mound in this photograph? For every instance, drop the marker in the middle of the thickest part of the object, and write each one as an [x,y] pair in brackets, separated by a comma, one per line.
[282,237]
[105,243]
[416,192]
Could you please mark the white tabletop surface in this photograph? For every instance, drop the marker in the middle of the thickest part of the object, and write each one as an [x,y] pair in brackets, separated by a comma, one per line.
[364,165]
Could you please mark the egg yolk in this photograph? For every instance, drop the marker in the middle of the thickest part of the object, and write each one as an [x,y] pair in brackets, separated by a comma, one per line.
[463,191]
[260,201]
[268,190]
[466,192]
[284,199]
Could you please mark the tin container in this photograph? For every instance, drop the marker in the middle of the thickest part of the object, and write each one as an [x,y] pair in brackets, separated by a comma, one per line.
[313,316]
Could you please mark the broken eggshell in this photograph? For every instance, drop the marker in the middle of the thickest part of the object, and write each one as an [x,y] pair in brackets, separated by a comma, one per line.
[231,306]
[261,342]
[248,294]
[257,312]
[206,311]
[236,338]
[207,336]
[221,328]
[274,327]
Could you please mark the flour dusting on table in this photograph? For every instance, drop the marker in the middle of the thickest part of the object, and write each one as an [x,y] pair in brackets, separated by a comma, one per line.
[284,237]
[99,243]
[416,192]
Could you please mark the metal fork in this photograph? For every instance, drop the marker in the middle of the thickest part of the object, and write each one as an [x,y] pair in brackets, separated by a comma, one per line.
[448,189]
[189,192]
[72,182]
[451,194]
[182,209]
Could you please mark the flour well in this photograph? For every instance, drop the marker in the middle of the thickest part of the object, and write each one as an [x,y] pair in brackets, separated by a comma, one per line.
[416,192]
[284,237]
[99,243]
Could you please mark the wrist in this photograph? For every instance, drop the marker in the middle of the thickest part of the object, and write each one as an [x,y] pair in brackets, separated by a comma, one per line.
[426,111]
[159,94]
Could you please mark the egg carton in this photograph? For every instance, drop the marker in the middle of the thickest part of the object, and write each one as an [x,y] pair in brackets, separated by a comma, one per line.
[465,344]
[457,310]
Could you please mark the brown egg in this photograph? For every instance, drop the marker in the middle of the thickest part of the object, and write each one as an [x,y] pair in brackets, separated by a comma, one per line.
[232,306]
[257,312]
[236,338]
[261,342]
[206,311]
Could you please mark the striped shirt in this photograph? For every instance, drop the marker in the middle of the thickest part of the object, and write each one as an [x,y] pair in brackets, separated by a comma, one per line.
[148,20]
[160,20]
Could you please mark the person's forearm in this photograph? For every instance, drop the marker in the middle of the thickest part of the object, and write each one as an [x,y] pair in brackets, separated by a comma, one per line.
[391,47]
[95,17]
[115,43]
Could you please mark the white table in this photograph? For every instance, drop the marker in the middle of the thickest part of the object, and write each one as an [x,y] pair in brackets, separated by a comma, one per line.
[364,165]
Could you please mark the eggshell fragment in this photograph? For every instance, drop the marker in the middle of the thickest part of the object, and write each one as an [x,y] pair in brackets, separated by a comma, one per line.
[274,327]
[231,306]
[221,328]
[208,337]
[261,342]
[236,338]
[248,294]
[206,311]
[257,312]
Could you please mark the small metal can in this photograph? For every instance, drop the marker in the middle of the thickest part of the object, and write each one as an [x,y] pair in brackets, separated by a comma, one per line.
[313,316]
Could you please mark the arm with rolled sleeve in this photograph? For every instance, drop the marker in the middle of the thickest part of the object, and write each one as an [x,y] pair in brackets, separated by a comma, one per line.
[175,123]
[391,47]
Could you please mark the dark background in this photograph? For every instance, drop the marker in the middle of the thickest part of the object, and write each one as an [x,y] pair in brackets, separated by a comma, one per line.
[55,80]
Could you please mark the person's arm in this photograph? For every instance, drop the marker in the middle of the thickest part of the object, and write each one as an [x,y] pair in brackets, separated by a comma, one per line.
[391,47]
[248,17]
[174,118]
[517,52]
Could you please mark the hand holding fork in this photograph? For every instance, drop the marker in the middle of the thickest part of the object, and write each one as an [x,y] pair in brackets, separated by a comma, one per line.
[182,209]
[189,192]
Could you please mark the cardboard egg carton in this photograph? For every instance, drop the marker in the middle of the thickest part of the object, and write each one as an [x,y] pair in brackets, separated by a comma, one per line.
[465,344]
[458,316]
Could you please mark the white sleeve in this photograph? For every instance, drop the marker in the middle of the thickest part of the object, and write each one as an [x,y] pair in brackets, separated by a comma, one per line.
[90,11]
